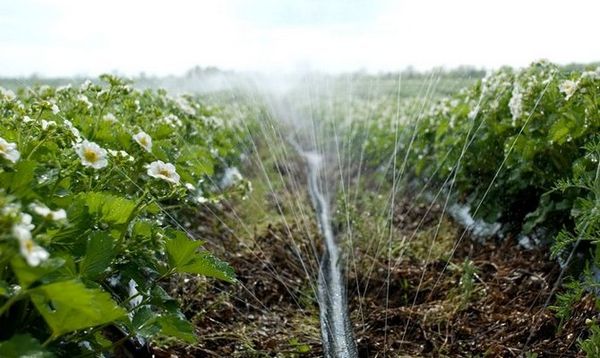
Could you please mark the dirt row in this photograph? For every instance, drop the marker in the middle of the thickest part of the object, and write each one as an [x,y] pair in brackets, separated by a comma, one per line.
[496,306]
[468,299]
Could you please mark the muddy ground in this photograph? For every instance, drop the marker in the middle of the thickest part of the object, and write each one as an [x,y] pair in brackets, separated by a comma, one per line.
[503,307]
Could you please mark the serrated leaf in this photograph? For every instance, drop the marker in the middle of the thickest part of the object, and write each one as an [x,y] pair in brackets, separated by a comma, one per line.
[178,327]
[23,346]
[144,322]
[27,274]
[99,254]
[142,228]
[204,263]
[160,298]
[180,249]
[110,208]
[69,306]
[20,183]
[184,257]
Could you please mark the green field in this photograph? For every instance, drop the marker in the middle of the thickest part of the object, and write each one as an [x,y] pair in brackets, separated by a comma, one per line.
[168,216]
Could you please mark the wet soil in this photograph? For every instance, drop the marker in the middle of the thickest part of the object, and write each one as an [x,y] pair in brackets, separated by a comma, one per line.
[430,311]
[271,311]
[486,299]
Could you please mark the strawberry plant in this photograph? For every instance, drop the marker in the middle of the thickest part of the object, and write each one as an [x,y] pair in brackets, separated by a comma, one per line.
[507,140]
[95,183]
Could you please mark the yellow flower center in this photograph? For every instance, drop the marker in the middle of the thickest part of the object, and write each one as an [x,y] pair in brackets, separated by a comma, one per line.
[165,173]
[90,155]
[29,246]
[3,148]
[143,141]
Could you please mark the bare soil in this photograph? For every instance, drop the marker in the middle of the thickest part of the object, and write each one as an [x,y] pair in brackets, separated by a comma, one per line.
[430,311]
[427,314]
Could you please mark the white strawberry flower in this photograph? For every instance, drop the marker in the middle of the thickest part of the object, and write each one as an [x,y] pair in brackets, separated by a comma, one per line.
[33,253]
[516,103]
[25,222]
[91,154]
[7,94]
[85,85]
[47,124]
[144,140]
[47,213]
[55,108]
[64,88]
[9,151]
[83,99]
[73,130]
[165,171]
[185,106]
[568,87]
[172,120]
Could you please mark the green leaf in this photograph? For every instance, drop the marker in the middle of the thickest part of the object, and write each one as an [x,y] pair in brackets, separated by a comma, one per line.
[143,228]
[4,290]
[102,342]
[69,306]
[160,298]
[23,346]
[144,322]
[561,129]
[198,159]
[184,258]
[110,208]
[180,249]
[162,131]
[178,327]
[28,275]
[19,181]
[99,254]
[204,263]
[152,208]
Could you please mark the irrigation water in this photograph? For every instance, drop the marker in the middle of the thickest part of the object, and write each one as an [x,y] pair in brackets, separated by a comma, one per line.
[327,115]
[336,329]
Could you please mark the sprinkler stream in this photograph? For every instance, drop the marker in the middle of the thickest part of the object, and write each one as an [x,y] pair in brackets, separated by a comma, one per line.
[336,329]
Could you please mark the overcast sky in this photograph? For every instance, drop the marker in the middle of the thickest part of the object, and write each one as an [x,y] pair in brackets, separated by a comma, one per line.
[69,37]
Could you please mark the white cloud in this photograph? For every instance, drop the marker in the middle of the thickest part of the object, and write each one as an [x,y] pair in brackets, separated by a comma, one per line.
[65,37]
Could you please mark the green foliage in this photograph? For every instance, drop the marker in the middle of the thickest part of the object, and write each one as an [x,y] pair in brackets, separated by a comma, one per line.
[586,214]
[23,345]
[467,281]
[591,345]
[109,208]
[99,254]
[69,306]
[177,326]
[520,147]
[565,301]
[85,240]
[505,142]
[184,258]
